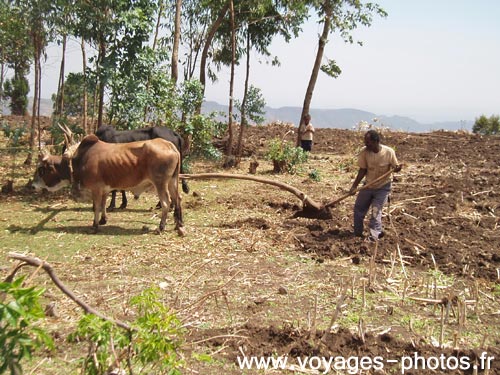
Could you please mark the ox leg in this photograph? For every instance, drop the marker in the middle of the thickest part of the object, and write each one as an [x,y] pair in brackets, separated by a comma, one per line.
[124,200]
[164,197]
[173,188]
[113,201]
[104,218]
[96,204]
[185,186]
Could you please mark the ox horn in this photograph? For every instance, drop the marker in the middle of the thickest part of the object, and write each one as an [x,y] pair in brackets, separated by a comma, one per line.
[68,134]
[43,155]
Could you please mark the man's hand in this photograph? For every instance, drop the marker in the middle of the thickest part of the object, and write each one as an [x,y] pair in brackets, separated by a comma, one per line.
[398,167]
[352,190]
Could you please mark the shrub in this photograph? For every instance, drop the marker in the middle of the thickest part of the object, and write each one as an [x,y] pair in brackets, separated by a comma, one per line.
[20,309]
[284,156]
[152,344]
[487,126]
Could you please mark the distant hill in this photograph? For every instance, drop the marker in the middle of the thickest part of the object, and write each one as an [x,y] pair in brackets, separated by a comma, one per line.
[345,118]
[45,107]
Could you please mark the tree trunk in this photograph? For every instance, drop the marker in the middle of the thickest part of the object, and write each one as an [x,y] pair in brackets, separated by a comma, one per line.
[36,56]
[229,145]
[60,86]
[177,37]
[2,76]
[155,42]
[39,130]
[210,36]
[243,125]
[102,83]
[323,39]
[85,127]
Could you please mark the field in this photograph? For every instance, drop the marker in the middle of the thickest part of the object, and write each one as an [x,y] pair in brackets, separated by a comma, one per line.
[252,279]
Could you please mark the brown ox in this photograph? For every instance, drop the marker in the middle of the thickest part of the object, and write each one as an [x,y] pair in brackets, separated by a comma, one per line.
[95,168]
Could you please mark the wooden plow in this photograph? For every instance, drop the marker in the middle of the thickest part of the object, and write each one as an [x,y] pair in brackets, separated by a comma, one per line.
[310,208]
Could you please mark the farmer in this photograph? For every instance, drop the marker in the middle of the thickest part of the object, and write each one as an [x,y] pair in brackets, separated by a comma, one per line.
[306,131]
[374,160]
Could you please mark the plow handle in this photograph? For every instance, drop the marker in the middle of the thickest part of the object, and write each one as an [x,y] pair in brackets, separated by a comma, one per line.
[366,186]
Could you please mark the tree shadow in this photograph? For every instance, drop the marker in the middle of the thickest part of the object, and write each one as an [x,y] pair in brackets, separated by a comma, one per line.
[82,229]
[88,229]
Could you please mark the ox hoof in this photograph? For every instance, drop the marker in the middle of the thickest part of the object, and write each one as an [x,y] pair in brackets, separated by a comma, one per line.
[103,221]
[110,208]
[94,230]
[123,206]
[181,231]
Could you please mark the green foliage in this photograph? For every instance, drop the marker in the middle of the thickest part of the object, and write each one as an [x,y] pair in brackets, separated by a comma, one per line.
[487,126]
[284,156]
[254,105]
[203,128]
[20,310]
[73,95]
[15,52]
[141,92]
[152,344]
[17,89]
[14,134]
[315,175]
[200,128]
[101,335]
[58,135]
[158,335]
[332,69]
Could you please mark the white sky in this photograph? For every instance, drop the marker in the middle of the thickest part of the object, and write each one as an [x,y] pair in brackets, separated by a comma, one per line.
[431,60]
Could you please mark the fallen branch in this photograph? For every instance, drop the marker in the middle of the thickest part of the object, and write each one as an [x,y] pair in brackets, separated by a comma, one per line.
[442,301]
[35,262]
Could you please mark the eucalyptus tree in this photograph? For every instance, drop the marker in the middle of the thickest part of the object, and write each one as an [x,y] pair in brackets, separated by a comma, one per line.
[38,15]
[62,26]
[118,30]
[257,23]
[337,17]
[15,53]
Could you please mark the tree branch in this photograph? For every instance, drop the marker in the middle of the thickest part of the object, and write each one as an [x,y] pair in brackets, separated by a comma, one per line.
[36,262]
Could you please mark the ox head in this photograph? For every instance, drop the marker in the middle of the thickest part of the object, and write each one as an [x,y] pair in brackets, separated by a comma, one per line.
[50,173]
[53,172]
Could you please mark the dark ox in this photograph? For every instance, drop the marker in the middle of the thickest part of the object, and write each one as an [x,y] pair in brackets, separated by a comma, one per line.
[95,168]
[109,134]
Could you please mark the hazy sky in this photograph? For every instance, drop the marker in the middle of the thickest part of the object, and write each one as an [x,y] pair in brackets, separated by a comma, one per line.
[432,60]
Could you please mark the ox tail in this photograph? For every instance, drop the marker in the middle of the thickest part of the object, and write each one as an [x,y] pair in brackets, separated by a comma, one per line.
[178,207]
[184,149]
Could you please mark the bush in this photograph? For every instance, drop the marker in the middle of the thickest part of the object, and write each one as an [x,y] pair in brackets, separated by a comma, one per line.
[487,126]
[20,309]
[153,344]
[284,156]
[15,136]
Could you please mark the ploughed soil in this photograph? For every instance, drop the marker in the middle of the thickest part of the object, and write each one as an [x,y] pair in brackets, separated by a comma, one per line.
[443,214]
[444,207]
[443,217]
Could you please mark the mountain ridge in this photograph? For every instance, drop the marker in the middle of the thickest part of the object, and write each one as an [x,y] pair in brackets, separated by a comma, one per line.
[347,118]
[343,118]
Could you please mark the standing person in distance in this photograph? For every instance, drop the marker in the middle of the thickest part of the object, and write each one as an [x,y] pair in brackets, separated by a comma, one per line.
[374,160]
[306,131]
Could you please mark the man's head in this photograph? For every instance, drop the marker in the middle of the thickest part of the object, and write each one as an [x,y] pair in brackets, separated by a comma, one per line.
[372,140]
